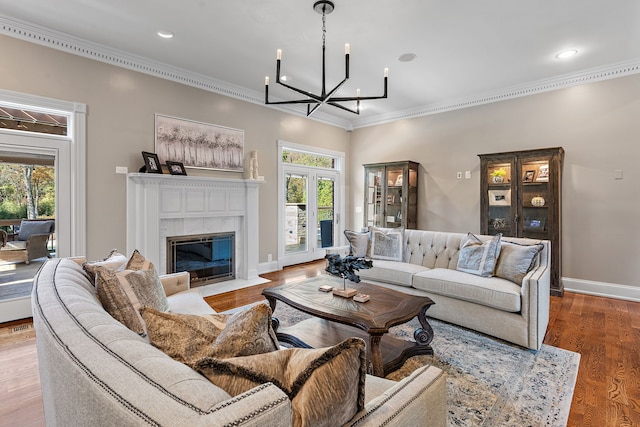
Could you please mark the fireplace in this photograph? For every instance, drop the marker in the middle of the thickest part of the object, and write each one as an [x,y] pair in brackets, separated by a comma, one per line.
[208,258]
[161,206]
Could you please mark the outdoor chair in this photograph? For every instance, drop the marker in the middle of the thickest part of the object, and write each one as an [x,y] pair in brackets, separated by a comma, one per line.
[31,242]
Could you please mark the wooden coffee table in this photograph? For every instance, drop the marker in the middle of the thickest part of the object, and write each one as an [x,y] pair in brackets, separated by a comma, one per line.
[336,318]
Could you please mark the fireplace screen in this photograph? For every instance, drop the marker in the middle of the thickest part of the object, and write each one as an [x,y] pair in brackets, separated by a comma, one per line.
[207,257]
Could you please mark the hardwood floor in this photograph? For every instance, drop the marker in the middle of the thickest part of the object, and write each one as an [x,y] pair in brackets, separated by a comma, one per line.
[606,332]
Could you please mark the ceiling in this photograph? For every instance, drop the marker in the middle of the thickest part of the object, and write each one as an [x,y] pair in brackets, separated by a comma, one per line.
[467,52]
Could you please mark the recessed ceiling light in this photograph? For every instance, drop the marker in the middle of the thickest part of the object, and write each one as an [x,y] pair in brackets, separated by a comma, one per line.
[407,57]
[165,34]
[567,54]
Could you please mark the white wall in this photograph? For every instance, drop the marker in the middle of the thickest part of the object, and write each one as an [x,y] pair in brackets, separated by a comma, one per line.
[597,124]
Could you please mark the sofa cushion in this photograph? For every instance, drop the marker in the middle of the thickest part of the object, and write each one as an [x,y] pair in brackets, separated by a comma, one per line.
[478,257]
[113,261]
[489,291]
[358,243]
[30,228]
[138,262]
[303,374]
[397,273]
[124,292]
[189,302]
[516,261]
[386,243]
[187,337]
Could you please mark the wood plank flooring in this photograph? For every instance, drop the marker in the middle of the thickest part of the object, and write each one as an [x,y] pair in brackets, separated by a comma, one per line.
[606,332]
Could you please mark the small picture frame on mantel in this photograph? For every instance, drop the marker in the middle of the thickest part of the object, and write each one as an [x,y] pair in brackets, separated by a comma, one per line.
[176,168]
[151,162]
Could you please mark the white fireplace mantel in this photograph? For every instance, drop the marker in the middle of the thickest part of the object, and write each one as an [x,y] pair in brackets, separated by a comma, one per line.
[172,205]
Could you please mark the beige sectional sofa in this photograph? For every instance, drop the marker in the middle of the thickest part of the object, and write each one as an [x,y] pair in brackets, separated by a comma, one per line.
[515,312]
[96,372]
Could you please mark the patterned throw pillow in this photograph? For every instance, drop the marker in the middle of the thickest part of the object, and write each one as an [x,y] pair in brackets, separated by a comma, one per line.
[386,243]
[113,261]
[358,243]
[477,257]
[138,262]
[516,261]
[124,292]
[187,337]
[325,385]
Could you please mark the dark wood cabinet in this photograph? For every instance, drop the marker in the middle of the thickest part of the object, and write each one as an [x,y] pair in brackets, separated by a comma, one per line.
[391,194]
[521,196]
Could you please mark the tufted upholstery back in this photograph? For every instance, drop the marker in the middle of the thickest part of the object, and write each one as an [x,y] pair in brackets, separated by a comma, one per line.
[435,249]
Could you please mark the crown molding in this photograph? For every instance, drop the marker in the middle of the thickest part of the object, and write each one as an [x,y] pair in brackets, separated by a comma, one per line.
[76,46]
[588,76]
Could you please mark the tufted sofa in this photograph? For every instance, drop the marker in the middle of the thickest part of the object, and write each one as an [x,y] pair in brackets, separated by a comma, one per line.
[96,372]
[515,312]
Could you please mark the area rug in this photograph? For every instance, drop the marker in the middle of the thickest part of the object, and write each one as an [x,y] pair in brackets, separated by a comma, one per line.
[489,382]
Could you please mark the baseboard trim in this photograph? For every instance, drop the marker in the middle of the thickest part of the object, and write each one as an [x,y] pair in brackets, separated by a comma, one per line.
[602,289]
[268,267]
[15,308]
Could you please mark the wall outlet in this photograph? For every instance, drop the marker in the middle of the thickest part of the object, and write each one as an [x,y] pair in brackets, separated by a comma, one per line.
[617,174]
[122,169]
[269,258]
[459,175]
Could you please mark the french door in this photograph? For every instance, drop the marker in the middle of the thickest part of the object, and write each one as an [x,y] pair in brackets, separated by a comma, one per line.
[310,212]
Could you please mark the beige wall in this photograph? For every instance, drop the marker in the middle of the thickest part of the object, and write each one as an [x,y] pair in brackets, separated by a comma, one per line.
[120,124]
[598,125]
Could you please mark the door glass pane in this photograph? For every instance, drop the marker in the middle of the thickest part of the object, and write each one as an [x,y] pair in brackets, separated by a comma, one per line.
[374,198]
[500,212]
[326,211]
[535,199]
[296,214]
[393,209]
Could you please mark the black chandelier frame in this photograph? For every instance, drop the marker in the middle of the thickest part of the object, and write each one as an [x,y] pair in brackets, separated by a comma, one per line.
[312,100]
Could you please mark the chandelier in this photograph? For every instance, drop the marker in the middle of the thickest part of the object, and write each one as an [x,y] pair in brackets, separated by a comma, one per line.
[314,101]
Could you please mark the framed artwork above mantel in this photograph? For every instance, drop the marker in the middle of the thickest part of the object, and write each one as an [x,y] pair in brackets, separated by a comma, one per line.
[199,145]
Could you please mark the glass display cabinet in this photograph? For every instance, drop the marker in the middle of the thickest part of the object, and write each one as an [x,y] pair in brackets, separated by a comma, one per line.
[521,196]
[391,194]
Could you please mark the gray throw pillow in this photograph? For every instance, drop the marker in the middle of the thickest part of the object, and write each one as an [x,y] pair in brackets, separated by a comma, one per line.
[31,228]
[358,243]
[477,257]
[386,243]
[516,261]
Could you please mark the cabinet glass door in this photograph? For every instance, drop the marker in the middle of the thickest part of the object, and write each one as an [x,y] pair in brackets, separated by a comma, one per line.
[535,199]
[501,198]
[393,206]
[374,205]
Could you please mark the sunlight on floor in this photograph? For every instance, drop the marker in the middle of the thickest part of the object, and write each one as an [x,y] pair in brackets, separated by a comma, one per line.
[7,267]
